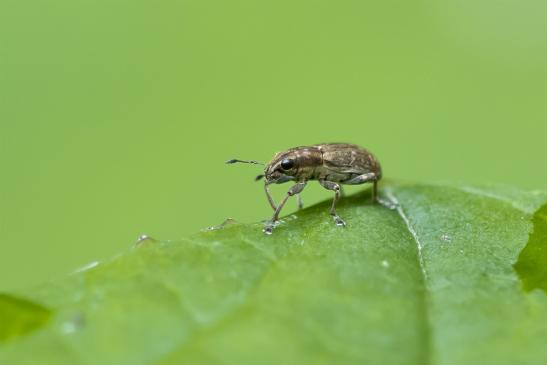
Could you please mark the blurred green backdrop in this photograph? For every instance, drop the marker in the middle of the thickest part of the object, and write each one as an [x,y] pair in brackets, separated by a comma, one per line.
[116,116]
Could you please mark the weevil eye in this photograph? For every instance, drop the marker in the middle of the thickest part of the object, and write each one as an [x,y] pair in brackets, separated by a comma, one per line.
[287,164]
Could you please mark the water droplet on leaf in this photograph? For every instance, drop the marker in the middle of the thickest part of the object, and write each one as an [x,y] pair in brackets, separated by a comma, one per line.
[145,240]
[446,238]
[227,222]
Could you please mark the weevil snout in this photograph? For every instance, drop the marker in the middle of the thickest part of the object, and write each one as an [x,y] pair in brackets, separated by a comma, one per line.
[274,175]
[278,179]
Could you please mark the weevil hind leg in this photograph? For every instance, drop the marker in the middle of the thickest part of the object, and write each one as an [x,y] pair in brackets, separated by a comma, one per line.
[374,194]
[299,202]
[365,178]
[361,179]
[329,185]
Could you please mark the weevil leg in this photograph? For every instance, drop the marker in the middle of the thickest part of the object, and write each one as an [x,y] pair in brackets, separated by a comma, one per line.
[295,189]
[299,202]
[270,199]
[365,178]
[361,179]
[329,185]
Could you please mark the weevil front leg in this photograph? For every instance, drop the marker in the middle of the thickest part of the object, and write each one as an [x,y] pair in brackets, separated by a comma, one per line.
[334,186]
[270,199]
[295,189]
[299,202]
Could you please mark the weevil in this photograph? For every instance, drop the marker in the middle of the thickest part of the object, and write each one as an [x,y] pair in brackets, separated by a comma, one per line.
[331,164]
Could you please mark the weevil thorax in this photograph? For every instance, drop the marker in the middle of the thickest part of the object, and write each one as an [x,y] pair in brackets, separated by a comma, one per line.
[296,164]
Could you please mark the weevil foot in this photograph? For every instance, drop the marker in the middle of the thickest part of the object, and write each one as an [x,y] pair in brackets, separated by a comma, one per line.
[268,228]
[339,221]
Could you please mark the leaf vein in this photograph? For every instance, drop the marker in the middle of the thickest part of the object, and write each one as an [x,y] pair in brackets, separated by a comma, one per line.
[421,263]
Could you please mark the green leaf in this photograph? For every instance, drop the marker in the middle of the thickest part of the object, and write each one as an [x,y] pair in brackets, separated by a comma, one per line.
[432,282]
[19,316]
[532,263]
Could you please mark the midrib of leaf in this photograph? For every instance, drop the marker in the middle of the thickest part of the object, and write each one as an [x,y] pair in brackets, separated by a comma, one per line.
[426,300]
[506,226]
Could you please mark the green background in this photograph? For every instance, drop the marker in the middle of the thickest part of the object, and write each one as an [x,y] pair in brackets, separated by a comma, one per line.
[116,116]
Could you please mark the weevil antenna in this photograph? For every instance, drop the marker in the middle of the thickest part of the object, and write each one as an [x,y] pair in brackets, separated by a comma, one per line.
[245,161]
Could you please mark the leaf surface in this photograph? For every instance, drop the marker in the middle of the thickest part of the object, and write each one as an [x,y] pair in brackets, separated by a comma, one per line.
[432,282]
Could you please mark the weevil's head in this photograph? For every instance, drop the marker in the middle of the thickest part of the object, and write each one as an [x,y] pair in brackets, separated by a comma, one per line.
[296,163]
[282,168]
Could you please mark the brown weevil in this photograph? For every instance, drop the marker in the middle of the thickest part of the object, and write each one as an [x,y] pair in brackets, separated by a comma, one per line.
[332,164]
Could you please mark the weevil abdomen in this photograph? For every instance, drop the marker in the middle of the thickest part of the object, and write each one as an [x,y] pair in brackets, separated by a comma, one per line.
[343,162]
